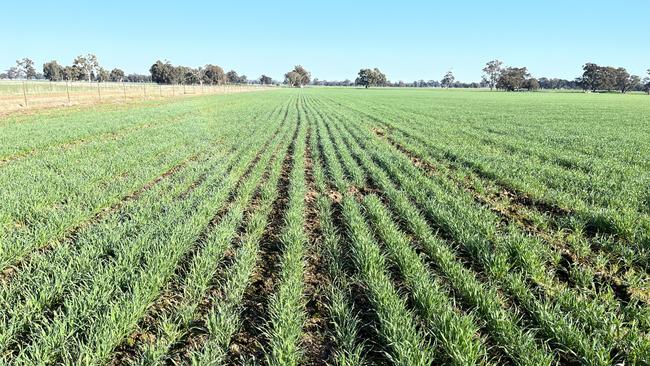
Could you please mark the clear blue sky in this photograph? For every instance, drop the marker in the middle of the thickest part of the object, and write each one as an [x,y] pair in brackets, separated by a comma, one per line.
[408,40]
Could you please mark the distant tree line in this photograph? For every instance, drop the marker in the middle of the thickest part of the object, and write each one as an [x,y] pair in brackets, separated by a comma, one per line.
[594,78]
[166,73]
[508,78]
[346,82]
[83,68]
[495,76]
[601,78]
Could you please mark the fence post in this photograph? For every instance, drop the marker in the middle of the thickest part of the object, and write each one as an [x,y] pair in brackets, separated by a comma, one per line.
[25,93]
[160,89]
[124,90]
[99,92]
[144,89]
[67,90]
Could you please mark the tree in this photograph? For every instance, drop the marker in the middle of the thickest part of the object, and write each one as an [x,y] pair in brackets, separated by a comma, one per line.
[368,78]
[265,80]
[53,71]
[197,75]
[164,73]
[69,73]
[293,78]
[102,74]
[305,76]
[138,78]
[492,71]
[647,83]
[448,79]
[606,78]
[531,84]
[86,66]
[380,78]
[297,77]
[232,77]
[590,76]
[190,75]
[624,81]
[13,73]
[116,75]
[214,74]
[513,78]
[595,77]
[27,66]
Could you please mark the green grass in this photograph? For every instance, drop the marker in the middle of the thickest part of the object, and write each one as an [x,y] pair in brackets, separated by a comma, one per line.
[442,227]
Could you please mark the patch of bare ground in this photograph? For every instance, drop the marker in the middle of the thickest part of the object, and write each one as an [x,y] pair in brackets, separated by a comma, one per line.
[73,232]
[249,342]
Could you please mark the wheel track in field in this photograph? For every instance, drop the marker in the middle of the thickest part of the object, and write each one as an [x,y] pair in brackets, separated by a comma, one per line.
[249,342]
[169,299]
[342,332]
[315,342]
[367,333]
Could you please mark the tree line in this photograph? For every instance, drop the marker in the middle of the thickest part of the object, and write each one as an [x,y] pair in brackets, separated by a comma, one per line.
[596,77]
[508,78]
[83,68]
[495,76]
[87,68]
[166,73]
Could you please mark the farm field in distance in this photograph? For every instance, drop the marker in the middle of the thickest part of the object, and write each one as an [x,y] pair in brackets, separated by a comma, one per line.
[328,226]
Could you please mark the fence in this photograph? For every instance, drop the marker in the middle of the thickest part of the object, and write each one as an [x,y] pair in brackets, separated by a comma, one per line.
[21,95]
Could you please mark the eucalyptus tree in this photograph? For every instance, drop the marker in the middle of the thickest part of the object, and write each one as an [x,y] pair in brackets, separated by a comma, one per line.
[491,73]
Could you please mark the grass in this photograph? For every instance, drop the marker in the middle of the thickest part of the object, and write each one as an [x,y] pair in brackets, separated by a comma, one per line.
[344,226]
[28,95]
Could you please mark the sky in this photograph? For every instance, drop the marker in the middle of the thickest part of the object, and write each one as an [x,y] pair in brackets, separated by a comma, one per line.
[407,40]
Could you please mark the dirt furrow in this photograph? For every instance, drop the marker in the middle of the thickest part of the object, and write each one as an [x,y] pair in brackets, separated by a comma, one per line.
[249,342]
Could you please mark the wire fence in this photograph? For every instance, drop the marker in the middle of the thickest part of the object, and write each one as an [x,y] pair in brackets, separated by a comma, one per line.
[22,95]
